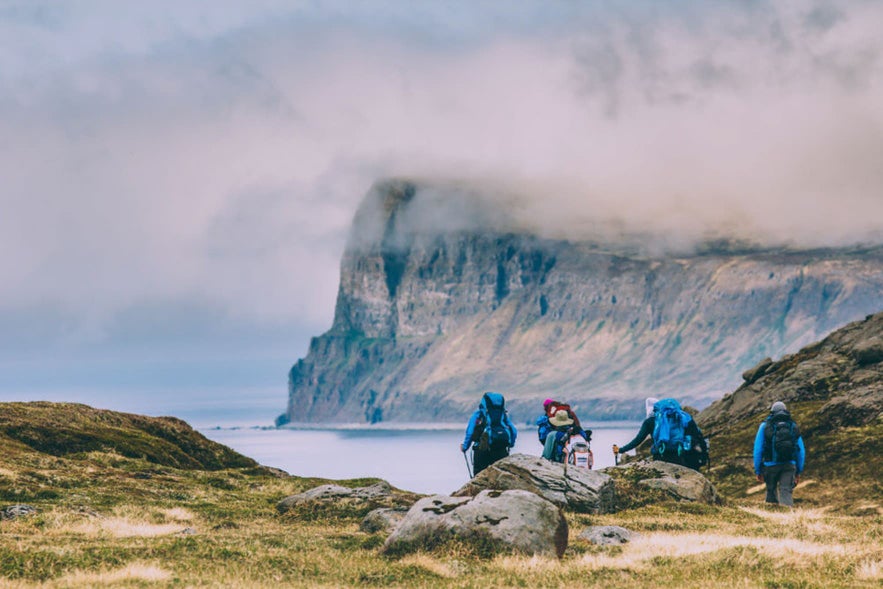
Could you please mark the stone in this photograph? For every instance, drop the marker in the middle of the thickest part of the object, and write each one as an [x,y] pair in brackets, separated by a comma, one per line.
[868,352]
[334,492]
[16,511]
[492,521]
[375,491]
[678,482]
[384,519]
[607,535]
[752,374]
[568,487]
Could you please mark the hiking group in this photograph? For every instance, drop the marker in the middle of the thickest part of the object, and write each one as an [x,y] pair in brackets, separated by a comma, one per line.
[562,436]
[779,452]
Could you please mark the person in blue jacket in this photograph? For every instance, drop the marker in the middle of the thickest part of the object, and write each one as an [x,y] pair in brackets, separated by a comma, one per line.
[490,432]
[543,424]
[779,455]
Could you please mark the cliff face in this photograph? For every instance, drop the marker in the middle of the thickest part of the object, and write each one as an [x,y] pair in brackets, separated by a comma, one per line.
[441,300]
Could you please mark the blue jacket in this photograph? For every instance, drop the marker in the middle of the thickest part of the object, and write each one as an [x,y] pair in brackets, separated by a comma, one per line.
[543,427]
[470,429]
[759,462]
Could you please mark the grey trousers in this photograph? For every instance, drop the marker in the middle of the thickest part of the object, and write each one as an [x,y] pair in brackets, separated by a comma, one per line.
[779,479]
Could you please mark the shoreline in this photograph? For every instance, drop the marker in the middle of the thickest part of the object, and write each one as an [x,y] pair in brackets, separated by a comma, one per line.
[401,427]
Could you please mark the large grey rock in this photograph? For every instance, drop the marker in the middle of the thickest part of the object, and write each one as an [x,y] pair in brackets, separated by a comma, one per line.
[572,488]
[869,351]
[607,535]
[335,492]
[752,374]
[495,521]
[16,511]
[678,482]
[384,519]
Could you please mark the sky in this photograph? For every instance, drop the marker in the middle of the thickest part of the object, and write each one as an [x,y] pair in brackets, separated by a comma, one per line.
[178,177]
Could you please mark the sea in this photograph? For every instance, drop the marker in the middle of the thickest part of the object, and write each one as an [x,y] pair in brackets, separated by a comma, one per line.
[413,458]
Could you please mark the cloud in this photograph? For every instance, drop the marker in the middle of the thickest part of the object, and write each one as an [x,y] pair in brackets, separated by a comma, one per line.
[167,155]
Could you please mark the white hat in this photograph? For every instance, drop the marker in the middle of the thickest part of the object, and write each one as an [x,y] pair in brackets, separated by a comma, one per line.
[648,405]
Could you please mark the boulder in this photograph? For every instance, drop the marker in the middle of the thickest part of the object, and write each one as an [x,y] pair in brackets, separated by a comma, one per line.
[568,487]
[384,519]
[491,522]
[674,480]
[752,374]
[868,352]
[333,492]
[607,535]
[16,511]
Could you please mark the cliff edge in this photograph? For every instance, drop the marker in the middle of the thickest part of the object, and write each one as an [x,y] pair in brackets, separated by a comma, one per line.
[442,296]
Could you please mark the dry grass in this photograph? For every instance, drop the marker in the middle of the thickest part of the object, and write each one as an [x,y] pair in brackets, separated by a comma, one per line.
[131,572]
[124,528]
[107,520]
[870,570]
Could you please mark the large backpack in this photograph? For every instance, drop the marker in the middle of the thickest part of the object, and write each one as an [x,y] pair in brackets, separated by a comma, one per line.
[669,428]
[495,434]
[780,438]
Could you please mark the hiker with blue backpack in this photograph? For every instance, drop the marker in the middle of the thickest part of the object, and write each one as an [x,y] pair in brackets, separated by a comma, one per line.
[490,432]
[779,455]
[676,437]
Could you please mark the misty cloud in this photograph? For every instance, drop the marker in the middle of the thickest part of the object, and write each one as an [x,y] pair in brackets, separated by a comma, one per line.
[173,154]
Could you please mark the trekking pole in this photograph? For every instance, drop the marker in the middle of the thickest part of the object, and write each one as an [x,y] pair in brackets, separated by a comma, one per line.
[468,467]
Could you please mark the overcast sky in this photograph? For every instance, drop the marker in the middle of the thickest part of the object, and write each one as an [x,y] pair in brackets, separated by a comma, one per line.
[178,177]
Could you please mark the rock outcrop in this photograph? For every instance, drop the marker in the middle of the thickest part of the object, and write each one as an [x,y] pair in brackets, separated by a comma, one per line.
[844,370]
[646,481]
[568,487]
[442,297]
[491,522]
[384,519]
[374,492]
[834,391]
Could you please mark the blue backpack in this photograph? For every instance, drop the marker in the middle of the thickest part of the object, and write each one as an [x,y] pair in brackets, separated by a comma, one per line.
[495,433]
[669,428]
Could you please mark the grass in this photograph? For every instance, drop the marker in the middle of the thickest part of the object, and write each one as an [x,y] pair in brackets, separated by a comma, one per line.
[107,519]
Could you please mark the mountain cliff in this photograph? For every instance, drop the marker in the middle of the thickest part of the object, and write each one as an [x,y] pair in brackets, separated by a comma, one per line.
[443,296]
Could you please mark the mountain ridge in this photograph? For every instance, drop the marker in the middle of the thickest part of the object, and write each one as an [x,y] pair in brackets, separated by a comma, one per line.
[440,300]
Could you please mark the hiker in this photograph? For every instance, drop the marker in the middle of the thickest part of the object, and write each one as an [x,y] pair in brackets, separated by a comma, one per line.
[543,425]
[556,427]
[490,432]
[779,455]
[676,437]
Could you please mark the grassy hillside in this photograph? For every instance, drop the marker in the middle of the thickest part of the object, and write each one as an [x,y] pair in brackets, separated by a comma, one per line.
[110,514]
[834,391]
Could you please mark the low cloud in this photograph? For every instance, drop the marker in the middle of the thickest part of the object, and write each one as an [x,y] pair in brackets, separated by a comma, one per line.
[215,156]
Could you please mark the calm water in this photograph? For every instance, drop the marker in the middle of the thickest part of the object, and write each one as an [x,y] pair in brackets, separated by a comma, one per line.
[425,461]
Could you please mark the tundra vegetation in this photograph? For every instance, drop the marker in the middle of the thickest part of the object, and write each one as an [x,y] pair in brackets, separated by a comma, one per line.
[119,503]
